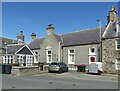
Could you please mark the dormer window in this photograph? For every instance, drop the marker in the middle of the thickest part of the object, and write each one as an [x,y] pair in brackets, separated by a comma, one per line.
[118,27]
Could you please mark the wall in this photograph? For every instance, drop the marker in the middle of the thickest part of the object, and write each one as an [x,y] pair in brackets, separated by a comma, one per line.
[109,55]
[50,40]
[81,53]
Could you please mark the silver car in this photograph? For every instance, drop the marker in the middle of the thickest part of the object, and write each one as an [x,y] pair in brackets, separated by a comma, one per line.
[57,67]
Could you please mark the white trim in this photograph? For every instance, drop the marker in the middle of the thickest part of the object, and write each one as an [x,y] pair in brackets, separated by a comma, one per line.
[23,47]
[21,57]
[118,27]
[90,59]
[116,64]
[116,44]
[90,53]
[59,53]
[106,29]
[5,59]
[69,62]
[36,61]
[48,49]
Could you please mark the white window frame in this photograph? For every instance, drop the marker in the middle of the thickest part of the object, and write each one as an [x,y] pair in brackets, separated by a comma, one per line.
[117,44]
[36,57]
[47,58]
[28,60]
[20,59]
[69,54]
[118,27]
[5,59]
[116,64]
[92,53]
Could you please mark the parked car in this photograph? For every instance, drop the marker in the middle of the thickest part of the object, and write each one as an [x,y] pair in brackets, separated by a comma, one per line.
[58,67]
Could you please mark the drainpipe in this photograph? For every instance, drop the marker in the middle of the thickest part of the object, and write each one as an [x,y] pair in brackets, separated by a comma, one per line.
[26,60]
[59,52]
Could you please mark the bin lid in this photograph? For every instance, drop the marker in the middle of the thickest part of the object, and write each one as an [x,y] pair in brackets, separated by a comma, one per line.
[81,64]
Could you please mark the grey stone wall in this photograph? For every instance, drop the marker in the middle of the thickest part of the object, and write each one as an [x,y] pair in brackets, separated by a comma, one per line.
[109,55]
[50,40]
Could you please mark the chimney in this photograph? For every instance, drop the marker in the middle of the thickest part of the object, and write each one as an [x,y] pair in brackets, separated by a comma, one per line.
[33,36]
[112,15]
[20,37]
[50,29]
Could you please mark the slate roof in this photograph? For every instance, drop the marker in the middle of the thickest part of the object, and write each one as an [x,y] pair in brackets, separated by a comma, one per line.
[90,36]
[75,38]
[13,49]
[7,40]
[35,44]
[111,31]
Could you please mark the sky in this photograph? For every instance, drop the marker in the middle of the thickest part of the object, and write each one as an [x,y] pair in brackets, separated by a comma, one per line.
[34,17]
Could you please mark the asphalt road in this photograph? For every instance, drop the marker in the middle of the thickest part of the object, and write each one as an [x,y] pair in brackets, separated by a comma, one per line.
[58,81]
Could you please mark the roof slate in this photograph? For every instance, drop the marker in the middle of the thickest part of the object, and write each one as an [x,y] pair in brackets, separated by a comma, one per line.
[7,41]
[75,38]
[35,44]
[12,49]
[82,37]
[111,31]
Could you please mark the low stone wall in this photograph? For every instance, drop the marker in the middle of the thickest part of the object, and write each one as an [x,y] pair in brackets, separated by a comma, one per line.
[17,71]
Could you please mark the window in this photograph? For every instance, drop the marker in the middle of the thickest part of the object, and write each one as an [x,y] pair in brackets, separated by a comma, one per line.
[92,50]
[118,44]
[118,64]
[118,27]
[20,60]
[49,56]
[8,59]
[71,56]
[36,56]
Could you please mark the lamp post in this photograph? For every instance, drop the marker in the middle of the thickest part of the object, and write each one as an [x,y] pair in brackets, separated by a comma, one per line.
[100,31]
[5,52]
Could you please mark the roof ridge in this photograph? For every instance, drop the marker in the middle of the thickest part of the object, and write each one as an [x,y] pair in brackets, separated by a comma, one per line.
[81,30]
[15,44]
[7,38]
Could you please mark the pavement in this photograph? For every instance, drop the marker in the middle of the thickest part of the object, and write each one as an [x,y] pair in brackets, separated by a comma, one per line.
[82,75]
[67,80]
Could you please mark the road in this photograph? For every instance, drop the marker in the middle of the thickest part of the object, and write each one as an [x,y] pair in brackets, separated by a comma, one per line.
[58,81]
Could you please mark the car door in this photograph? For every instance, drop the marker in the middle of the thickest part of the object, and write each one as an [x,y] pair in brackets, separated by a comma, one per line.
[64,66]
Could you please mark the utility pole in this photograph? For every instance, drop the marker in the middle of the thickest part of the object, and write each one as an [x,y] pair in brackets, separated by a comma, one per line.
[6,61]
[100,31]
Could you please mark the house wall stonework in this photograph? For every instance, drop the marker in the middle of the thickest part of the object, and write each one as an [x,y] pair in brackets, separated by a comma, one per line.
[49,41]
[1,59]
[109,55]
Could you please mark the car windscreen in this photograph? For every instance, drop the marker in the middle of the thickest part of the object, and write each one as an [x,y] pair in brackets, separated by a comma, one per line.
[54,63]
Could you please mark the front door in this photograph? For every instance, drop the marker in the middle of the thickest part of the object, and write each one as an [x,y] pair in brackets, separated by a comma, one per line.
[24,61]
[92,59]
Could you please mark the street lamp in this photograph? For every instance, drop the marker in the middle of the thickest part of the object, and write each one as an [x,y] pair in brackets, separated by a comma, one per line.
[5,52]
[100,31]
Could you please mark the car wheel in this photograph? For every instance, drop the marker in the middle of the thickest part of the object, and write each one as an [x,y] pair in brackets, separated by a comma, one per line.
[60,71]
[67,70]
[49,71]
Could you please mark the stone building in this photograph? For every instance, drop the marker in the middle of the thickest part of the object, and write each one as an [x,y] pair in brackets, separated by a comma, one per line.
[79,47]
[15,52]
[111,44]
